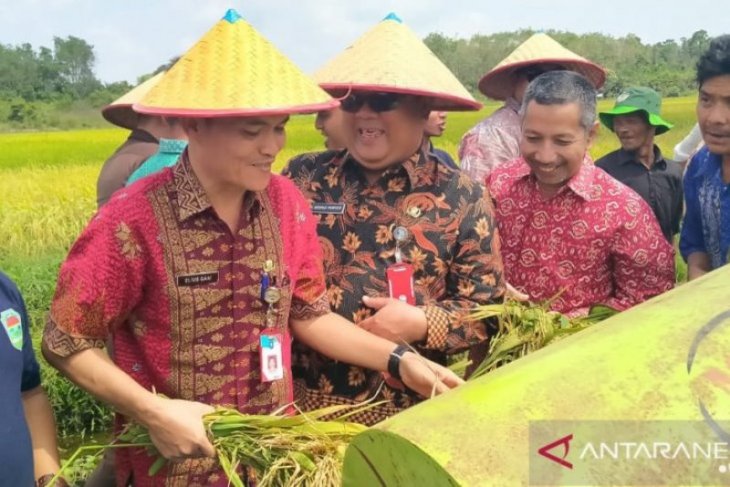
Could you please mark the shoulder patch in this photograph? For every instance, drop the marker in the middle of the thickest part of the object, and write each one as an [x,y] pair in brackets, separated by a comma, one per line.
[13,325]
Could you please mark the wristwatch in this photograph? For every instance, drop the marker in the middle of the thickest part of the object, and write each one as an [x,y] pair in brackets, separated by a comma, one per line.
[394,360]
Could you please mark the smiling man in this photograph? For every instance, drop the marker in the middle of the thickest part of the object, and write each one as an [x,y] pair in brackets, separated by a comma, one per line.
[394,220]
[571,233]
[202,272]
[636,120]
[705,237]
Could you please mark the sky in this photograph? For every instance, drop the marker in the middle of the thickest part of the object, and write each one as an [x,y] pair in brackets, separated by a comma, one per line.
[133,37]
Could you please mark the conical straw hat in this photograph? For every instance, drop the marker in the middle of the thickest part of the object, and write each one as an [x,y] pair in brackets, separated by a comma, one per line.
[538,49]
[390,57]
[120,112]
[234,71]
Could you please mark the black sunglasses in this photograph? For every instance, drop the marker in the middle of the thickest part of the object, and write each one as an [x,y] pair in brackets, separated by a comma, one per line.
[378,102]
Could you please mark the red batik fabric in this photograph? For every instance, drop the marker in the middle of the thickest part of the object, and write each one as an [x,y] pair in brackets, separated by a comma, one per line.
[595,242]
[180,294]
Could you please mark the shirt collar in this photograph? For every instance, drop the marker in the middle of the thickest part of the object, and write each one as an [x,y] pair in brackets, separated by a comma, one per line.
[710,164]
[411,166]
[192,198]
[172,146]
[626,157]
[581,184]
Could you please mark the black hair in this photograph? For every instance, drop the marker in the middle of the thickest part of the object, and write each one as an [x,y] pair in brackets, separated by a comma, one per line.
[715,61]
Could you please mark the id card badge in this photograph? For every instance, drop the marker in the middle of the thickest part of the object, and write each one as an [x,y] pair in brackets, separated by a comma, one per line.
[271,355]
[400,282]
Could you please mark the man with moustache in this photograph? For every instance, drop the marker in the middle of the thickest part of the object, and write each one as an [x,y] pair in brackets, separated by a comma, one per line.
[570,233]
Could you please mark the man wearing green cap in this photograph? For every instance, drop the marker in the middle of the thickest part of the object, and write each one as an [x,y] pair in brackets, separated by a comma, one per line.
[639,163]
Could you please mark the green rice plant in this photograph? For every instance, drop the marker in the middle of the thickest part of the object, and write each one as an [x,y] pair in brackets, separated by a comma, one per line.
[283,450]
[523,328]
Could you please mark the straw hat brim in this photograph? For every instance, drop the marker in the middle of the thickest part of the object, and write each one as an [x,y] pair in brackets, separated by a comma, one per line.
[498,83]
[655,120]
[439,100]
[121,115]
[237,112]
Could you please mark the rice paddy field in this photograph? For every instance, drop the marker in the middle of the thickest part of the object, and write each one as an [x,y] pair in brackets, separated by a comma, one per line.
[48,187]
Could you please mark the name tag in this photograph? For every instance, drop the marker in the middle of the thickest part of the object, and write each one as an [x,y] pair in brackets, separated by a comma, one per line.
[197,279]
[328,208]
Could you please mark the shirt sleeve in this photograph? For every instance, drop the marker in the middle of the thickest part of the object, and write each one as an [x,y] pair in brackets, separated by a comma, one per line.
[485,148]
[99,284]
[691,238]
[31,371]
[642,259]
[475,277]
[309,296]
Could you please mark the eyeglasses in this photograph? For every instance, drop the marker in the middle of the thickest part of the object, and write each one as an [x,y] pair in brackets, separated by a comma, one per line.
[378,102]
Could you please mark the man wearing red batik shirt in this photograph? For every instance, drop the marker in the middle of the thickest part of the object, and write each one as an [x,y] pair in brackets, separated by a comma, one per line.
[203,270]
[571,233]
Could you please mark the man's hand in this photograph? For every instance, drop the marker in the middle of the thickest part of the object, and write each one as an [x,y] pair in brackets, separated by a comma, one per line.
[395,320]
[176,428]
[425,377]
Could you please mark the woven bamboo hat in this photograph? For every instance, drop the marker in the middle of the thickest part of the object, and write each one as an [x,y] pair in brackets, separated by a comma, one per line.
[234,71]
[391,58]
[120,112]
[538,49]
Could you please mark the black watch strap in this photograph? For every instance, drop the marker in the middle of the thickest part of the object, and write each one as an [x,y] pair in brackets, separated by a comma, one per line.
[394,360]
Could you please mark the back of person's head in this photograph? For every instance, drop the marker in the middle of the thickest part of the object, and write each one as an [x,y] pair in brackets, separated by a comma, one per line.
[561,88]
[715,61]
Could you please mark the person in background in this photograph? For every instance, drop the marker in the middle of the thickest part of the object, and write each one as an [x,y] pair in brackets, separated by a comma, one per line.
[636,120]
[571,234]
[435,127]
[329,123]
[705,236]
[496,139]
[142,143]
[27,426]
[168,154]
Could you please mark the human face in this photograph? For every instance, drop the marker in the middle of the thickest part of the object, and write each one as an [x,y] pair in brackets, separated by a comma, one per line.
[713,114]
[329,122]
[235,152]
[436,124]
[633,131]
[554,143]
[379,140]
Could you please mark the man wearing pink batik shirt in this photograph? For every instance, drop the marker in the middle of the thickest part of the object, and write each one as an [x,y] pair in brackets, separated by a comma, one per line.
[571,234]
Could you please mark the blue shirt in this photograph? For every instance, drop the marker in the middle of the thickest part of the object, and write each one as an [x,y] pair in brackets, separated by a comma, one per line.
[166,156]
[19,372]
[443,156]
[706,225]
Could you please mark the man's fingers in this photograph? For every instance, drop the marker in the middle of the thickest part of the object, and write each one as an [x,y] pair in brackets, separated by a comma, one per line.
[375,302]
[207,449]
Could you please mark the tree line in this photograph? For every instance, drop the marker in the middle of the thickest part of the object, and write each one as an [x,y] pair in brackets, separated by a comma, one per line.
[35,83]
[668,67]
